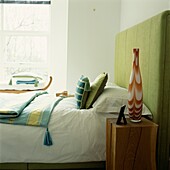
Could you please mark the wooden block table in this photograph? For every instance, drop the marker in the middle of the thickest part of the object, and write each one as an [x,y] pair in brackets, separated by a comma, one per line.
[131,146]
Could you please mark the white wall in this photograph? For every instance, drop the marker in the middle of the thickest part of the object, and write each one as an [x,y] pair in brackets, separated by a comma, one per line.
[58,56]
[135,11]
[83,35]
[92,27]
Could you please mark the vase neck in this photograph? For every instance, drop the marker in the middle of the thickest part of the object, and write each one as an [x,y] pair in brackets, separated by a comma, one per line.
[136,56]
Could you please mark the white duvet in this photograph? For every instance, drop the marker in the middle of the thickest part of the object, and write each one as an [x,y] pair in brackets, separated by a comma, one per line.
[77,135]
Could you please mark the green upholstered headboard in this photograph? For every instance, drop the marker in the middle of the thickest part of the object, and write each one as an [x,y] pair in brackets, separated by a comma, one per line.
[152,37]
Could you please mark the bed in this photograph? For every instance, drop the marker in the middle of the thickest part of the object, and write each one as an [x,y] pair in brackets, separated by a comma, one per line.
[69,144]
[152,37]
[72,136]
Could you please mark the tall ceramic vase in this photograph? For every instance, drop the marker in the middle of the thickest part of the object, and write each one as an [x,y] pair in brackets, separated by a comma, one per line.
[135,92]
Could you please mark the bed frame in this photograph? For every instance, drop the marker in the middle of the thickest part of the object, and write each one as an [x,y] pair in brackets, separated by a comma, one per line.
[53,166]
[152,37]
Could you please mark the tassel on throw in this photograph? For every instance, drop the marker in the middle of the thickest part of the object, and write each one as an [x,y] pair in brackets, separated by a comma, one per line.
[47,138]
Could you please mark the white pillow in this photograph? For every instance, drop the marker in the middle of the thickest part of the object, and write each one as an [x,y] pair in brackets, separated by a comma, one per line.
[112,98]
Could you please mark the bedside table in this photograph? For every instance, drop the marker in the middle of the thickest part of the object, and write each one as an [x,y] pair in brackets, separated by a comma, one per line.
[131,146]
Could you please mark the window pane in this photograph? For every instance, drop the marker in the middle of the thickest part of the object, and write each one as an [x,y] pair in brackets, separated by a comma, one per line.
[24,38]
[25,49]
[21,17]
[12,70]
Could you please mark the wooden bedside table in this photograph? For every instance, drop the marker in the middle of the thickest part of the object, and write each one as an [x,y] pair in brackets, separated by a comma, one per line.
[131,146]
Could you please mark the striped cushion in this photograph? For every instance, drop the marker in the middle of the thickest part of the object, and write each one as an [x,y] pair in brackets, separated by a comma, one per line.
[82,89]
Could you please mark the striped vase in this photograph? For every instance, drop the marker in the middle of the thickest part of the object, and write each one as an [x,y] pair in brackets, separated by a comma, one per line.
[135,93]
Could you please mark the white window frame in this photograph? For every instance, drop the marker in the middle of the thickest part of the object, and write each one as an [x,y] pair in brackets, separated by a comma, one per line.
[4,33]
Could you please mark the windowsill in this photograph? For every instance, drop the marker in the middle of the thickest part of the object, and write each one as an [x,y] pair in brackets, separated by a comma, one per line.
[21,87]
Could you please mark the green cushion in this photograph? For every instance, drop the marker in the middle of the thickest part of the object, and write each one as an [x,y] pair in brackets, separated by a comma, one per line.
[82,89]
[97,88]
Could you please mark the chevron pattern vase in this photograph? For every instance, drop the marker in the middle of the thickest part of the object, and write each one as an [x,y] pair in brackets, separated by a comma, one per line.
[135,92]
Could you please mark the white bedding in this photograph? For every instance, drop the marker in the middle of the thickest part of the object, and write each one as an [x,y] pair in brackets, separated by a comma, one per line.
[78,136]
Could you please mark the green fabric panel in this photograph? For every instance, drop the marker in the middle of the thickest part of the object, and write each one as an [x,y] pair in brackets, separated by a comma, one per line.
[152,37]
[143,30]
[167,76]
[119,63]
[165,91]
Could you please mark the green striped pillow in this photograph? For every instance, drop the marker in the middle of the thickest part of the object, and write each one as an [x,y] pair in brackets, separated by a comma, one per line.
[97,88]
[82,89]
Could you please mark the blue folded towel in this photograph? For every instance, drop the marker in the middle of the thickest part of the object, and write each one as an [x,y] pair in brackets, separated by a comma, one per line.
[27,82]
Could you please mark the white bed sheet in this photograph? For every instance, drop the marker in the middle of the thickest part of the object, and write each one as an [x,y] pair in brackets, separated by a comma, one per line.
[78,136]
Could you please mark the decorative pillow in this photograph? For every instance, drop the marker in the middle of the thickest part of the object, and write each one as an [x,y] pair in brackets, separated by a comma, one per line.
[82,90]
[112,98]
[97,88]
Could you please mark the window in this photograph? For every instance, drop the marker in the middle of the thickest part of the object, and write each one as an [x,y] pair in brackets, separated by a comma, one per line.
[24,37]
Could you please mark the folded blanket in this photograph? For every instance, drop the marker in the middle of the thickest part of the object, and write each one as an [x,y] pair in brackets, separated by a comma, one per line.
[31,108]
[11,105]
